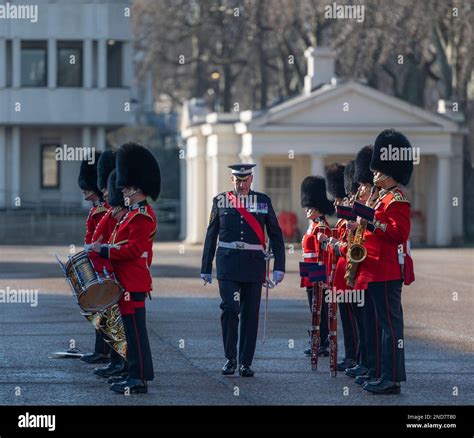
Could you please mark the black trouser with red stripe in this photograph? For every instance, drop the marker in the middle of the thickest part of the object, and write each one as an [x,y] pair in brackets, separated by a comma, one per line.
[386,297]
[101,346]
[139,359]
[240,299]
[368,349]
[368,335]
[349,330]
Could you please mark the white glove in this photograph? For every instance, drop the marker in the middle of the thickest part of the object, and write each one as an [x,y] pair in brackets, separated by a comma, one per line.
[207,278]
[322,237]
[278,276]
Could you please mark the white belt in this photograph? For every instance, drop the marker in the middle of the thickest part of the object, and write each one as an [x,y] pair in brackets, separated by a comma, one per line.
[240,245]
[309,255]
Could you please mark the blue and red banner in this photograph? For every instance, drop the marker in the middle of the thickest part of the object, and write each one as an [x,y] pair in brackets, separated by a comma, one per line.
[314,271]
[343,212]
[363,211]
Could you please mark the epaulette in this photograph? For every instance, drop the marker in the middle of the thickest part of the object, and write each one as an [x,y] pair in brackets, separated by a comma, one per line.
[397,196]
[142,211]
[99,209]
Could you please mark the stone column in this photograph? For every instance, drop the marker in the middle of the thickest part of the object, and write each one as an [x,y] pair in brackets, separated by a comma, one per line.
[16,62]
[3,168]
[52,63]
[443,201]
[3,62]
[87,63]
[102,63]
[15,175]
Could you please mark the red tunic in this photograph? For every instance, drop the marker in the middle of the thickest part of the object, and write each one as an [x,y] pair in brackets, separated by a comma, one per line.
[391,227]
[104,229]
[311,247]
[131,249]
[95,215]
[339,283]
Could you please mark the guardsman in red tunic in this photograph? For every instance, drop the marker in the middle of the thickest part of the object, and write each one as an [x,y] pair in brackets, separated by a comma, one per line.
[130,249]
[382,272]
[88,183]
[105,164]
[336,187]
[102,234]
[368,357]
[317,206]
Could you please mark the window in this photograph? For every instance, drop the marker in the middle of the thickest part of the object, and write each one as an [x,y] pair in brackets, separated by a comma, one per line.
[69,64]
[114,64]
[33,64]
[49,167]
[278,187]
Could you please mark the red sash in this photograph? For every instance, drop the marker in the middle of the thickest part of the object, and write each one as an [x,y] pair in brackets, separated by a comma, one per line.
[249,218]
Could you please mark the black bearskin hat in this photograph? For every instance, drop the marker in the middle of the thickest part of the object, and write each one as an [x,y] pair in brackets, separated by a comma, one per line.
[363,174]
[350,185]
[88,175]
[313,194]
[115,197]
[335,179]
[400,168]
[105,165]
[137,167]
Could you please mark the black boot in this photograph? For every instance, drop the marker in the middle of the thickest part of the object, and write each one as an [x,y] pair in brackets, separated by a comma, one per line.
[229,367]
[118,378]
[95,358]
[109,370]
[381,386]
[134,386]
[246,371]
[346,363]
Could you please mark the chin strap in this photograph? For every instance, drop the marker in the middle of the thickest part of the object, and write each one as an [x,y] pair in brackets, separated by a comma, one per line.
[134,191]
[381,178]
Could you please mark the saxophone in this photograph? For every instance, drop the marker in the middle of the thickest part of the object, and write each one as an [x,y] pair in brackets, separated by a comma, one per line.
[356,251]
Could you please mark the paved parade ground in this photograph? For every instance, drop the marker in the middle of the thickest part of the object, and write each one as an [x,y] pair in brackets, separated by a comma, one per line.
[184,331]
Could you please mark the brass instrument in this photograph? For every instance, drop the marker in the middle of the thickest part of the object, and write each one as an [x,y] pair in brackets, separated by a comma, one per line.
[356,251]
[110,323]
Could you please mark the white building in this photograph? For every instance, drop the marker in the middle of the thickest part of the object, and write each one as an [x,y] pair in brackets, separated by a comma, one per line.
[64,80]
[329,122]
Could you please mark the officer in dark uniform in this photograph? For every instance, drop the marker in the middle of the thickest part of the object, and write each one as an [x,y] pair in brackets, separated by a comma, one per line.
[239,219]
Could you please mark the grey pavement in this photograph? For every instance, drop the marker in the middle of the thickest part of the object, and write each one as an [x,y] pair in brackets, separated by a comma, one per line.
[184,330]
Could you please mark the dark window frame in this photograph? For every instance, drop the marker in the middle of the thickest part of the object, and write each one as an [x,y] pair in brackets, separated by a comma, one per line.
[70,44]
[43,147]
[284,187]
[117,44]
[35,45]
